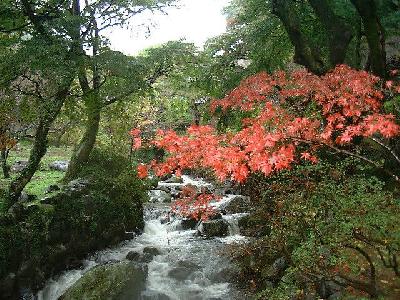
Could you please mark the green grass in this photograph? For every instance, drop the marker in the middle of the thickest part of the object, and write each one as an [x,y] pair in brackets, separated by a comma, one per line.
[43,177]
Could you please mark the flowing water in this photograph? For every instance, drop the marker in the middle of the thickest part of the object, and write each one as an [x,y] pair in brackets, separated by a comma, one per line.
[189,267]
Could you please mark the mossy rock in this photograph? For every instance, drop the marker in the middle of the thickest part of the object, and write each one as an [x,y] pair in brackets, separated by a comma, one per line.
[111,281]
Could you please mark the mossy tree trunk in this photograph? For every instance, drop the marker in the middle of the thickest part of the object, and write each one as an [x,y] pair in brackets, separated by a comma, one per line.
[306,53]
[375,35]
[93,104]
[4,166]
[339,32]
[88,140]
[49,114]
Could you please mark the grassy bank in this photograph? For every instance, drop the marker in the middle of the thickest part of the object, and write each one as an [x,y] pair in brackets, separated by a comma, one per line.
[44,177]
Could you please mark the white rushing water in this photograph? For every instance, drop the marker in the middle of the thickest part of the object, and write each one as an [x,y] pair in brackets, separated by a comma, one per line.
[189,267]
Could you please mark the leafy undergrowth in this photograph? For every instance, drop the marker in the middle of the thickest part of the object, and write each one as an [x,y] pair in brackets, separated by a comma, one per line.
[326,221]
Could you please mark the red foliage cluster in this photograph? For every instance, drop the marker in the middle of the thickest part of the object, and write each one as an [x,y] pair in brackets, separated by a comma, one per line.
[345,104]
[194,205]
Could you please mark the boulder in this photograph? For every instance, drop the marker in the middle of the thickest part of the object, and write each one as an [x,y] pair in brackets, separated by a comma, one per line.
[328,288]
[213,228]
[159,196]
[224,274]
[52,188]
[7,285]
[152,251]
[276,270]
[216,216]
[238,204]
[19,165]
[25,197]
[59,165]
[78,185]
[183,270]
[174,179]
[153,296]
[133,256]
[110,281]
[187,224]
[148,254]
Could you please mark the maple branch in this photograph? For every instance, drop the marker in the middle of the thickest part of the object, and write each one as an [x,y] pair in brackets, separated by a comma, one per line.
[379,142]
[338,150]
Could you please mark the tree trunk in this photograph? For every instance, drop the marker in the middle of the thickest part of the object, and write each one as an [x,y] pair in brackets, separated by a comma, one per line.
[4,166]
[86,144]
[339,33]
[375,35]
[306,54]
[92,102]
[38,151]
[40,144]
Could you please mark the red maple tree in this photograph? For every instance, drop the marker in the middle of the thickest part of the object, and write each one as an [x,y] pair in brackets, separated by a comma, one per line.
[289,113]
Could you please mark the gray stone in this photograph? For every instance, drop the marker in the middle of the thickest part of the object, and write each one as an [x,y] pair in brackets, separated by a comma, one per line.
[152,251]
[52,188]
[187,224]
[148,254]
[183,270]
[216,216]
[25,197]
[159,196]
[133,256]
[154,296]
[110,281]
[19,165]
[77,185]
[275,271]
[7,285]
[327,288]
[59,165]
[336,296]
[238,204]
[213,228]
[174,179]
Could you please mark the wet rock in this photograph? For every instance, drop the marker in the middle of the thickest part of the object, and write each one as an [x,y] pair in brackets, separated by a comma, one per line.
[174,179]
[110,281]
[188,224]
[214,228]
[52,188]
[7,285]
[148,254]
[336,296]
[25,197]
[133,255]
[275,271]
[77,185]
[59,165]
[238,204]
[328,288]
[159,196]
[183,270]
[27,294]
[216,216]
[224,274]
[152,251]
[154,296]
[162,188]
[19,165]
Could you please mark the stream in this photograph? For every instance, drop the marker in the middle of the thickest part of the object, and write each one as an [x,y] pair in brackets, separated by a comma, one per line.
[186,266]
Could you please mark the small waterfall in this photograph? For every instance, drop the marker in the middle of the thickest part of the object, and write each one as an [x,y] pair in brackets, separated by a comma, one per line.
[233,224]
[187,266]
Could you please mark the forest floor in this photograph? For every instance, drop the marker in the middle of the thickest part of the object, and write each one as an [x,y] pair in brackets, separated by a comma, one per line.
[44,177]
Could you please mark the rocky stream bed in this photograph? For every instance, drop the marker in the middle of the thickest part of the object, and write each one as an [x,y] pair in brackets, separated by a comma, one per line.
[173,258]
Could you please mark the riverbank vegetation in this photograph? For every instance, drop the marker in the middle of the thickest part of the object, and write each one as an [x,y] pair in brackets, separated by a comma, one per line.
[297,105]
